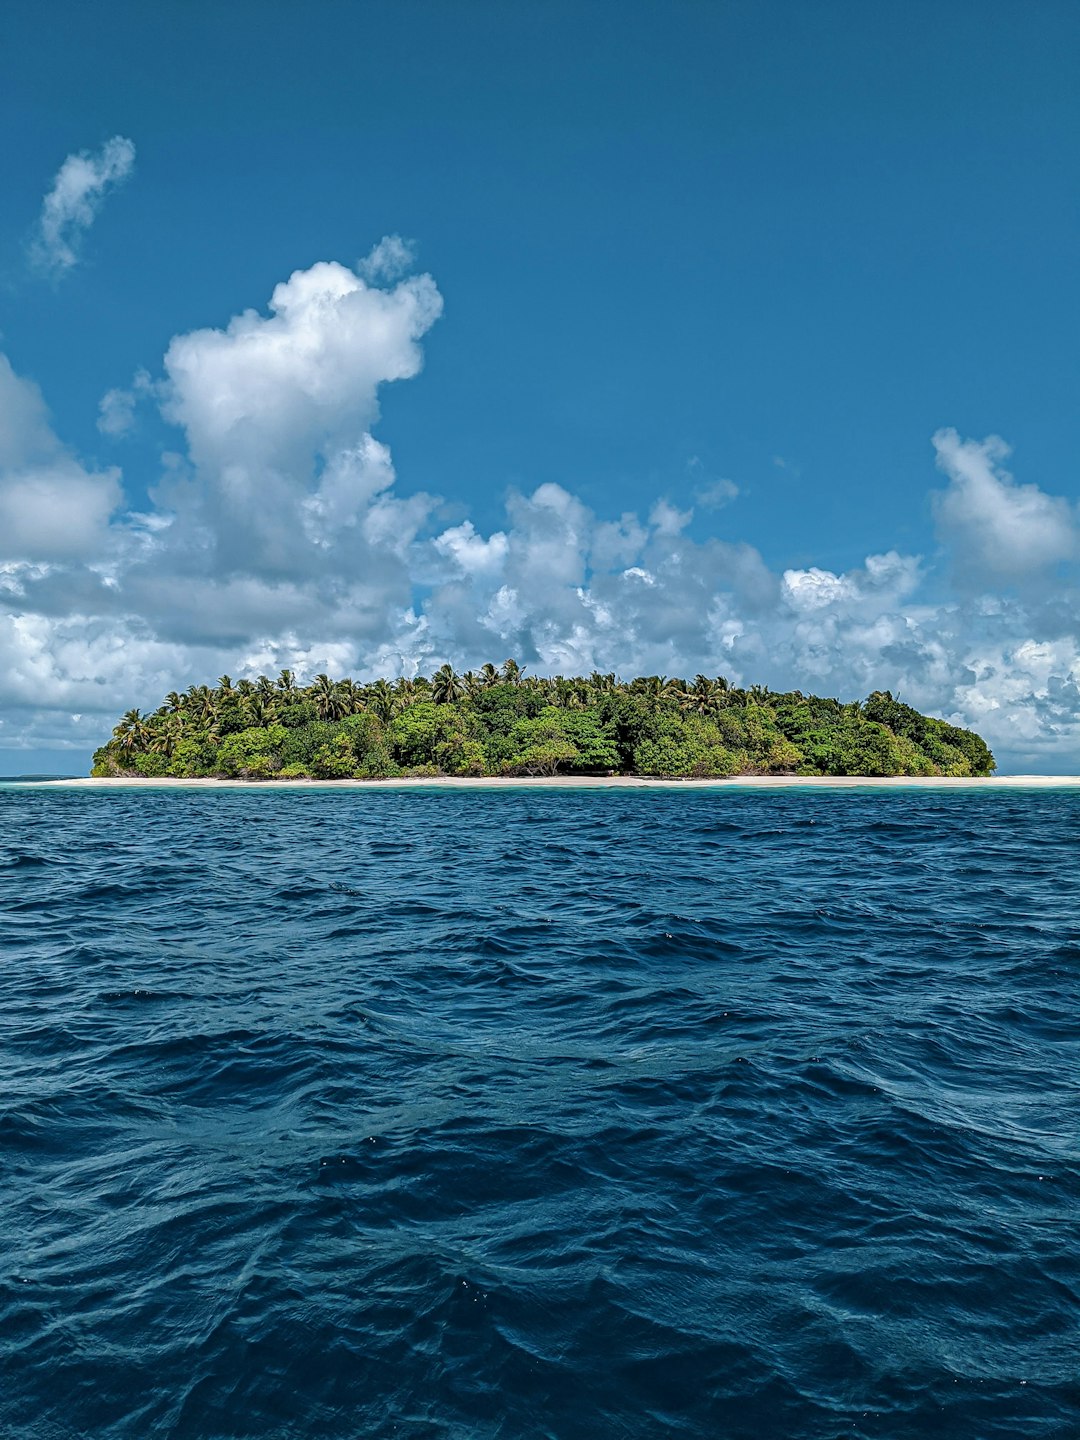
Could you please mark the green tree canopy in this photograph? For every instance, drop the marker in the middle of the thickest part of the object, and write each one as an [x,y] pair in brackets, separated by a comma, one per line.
[501,720]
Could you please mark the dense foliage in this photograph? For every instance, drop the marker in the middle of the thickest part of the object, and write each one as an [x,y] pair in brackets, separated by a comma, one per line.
[497,721]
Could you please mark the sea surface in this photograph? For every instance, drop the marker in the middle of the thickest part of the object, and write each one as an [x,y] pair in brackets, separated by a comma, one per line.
[578,1114]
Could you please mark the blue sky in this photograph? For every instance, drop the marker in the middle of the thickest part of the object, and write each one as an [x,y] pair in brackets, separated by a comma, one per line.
[728,268]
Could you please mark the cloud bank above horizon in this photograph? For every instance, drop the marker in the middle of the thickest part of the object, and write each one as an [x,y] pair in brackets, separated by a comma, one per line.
[277,535]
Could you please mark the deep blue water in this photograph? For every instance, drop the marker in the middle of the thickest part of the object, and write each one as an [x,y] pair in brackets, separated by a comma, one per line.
[539,1114]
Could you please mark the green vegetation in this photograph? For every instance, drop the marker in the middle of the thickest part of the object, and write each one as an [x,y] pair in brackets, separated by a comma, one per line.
[501,722]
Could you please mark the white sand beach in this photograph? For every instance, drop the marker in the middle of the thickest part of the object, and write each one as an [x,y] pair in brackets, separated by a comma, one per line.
[591,782]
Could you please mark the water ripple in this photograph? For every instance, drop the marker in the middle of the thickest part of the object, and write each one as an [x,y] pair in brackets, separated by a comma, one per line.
[529,1114]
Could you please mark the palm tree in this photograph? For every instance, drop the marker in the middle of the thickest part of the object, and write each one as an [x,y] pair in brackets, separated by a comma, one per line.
[352,696]
[656,688]
[382,698]
[651,686]
[166,735]
[489,675]
[328,699]
[446,686]
[512,672]
[472,684]
[286,682]
[225,686]
[570,694]
[703,697]
[174,703]
[259,709]
[204,703]
[132,732]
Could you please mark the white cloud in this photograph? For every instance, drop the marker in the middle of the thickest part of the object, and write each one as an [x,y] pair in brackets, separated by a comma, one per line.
[302,380]
[25,433]
[716,494]
[51,508]
[814,589]
[709,491]
[668,520]
[472,554]
[72,205]
[116,412]
[56,512]
[882,583]
[998,529]
[116,409]
[277,412]
[391,258]
[349,483]
[283,476]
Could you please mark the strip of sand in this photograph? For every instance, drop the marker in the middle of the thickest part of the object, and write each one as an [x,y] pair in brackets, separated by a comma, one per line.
[590,782]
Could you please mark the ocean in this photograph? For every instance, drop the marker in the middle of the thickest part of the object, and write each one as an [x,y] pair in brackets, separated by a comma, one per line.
[453,1115]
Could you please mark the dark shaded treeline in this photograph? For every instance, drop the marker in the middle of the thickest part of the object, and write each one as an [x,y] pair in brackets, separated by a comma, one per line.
[498,721]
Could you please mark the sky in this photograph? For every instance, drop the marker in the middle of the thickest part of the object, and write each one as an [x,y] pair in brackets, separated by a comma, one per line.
[650,338]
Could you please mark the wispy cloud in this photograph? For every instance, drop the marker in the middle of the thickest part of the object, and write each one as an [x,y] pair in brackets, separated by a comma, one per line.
[73,202]
[116,409]
[388,260]
[710,491]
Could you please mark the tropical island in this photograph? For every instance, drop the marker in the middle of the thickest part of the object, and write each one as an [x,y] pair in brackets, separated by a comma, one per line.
[498,721]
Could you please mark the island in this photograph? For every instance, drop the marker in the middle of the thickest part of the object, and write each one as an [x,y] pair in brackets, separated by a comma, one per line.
[499,721]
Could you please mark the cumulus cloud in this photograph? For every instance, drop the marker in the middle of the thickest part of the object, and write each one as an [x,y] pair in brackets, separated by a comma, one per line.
[73,202]
[881,584]
[995,526]
[302,381]
[278,535]
[25,433]
[284,477]
[51,507]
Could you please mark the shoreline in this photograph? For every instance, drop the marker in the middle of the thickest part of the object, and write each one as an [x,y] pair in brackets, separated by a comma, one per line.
[580,782]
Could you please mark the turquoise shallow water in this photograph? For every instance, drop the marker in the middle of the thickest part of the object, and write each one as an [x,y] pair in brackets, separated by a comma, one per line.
[539,1114]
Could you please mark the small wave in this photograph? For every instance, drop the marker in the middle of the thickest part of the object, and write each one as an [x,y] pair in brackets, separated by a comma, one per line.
[691,1114]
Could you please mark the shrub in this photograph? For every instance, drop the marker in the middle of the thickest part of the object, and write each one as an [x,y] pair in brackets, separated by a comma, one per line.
[593,740]
[335,761]
[108,762]
[259,767]
[152,765]
[459,756]
[674,758]
[301,743]
[191,757]
[783,755]
[377,768]
[255,744]
[414,734]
